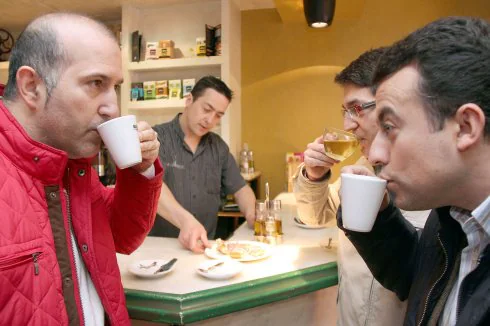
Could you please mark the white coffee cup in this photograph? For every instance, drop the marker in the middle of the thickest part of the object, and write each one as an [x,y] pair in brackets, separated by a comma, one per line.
[120,136]
[361,197]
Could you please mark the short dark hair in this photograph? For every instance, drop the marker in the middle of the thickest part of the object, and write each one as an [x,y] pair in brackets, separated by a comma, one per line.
[360,72]
[452,55]
[211,82]
[37,47]
[40,48]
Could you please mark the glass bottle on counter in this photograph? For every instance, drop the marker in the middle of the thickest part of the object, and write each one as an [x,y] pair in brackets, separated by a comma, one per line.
[244,159]
[275,210]
[251,165]
[259,224]
[270,229]
[99,164]
[104,166]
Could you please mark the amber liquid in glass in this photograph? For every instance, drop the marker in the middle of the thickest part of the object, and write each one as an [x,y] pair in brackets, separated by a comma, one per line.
[340,149]
[279,227]
[259,227]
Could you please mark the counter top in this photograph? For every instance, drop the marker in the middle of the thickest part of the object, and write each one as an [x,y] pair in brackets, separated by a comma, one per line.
[300,265]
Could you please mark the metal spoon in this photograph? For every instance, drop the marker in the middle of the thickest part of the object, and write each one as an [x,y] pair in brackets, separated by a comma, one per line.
[205,270]
[148,266]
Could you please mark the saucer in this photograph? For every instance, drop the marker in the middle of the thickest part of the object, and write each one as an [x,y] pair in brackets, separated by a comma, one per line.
[147,268]
[226,270]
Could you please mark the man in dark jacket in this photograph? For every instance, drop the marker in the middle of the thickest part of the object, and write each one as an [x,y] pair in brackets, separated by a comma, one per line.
[433,148]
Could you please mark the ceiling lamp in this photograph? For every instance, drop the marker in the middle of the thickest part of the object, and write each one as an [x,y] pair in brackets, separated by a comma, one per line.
[319,13]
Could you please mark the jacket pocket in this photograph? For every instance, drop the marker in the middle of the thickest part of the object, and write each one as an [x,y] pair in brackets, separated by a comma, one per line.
[30,256]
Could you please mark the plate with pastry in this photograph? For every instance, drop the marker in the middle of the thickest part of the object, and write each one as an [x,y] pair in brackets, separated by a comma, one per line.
[240,250]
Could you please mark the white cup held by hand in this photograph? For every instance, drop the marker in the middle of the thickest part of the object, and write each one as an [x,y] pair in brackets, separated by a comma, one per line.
[120,136]
[361,199]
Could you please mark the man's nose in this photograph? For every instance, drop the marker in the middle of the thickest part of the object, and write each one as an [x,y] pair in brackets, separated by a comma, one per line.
[110,108]
[349,123]
[379,152]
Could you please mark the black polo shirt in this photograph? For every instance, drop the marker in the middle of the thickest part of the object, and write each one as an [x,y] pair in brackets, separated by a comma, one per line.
[197,180]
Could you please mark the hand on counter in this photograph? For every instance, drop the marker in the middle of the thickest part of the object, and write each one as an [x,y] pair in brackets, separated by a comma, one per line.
[193,236]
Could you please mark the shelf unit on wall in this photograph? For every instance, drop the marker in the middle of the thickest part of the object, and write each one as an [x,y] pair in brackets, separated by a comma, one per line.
[183,21]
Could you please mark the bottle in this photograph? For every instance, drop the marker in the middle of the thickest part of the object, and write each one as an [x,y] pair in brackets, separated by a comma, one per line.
[99,164]
[244,159]
[259,224]
[270,229]
[251,165]
[275,211]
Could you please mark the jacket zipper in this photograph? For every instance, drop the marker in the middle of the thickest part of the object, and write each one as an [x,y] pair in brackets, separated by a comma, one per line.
[10,263]
[437,281]
[458,310]
[35,256]
[73,244]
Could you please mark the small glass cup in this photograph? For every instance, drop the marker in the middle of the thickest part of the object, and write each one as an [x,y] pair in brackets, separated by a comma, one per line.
[339,144]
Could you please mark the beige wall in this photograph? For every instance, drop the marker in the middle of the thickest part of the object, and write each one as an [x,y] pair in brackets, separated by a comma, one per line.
[288,95]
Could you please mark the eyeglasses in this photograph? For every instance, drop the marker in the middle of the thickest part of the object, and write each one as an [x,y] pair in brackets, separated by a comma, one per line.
[354,111]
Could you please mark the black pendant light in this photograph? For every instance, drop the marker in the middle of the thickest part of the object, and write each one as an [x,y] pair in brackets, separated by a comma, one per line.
[319,13]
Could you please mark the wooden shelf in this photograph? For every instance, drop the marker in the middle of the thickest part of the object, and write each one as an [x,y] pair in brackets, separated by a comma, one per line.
[157,104]
[182,21]
[156,65]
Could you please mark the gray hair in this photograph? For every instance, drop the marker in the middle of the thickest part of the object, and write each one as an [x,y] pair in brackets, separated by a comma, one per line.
[39,47]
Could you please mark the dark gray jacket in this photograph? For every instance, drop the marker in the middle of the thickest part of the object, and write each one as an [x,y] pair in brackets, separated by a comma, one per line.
[424,269]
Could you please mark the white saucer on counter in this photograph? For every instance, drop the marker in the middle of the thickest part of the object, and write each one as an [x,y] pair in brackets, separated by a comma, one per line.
[226,269]
[147,268]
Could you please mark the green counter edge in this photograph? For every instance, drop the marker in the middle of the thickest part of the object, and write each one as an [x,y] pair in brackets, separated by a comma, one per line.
[187,308]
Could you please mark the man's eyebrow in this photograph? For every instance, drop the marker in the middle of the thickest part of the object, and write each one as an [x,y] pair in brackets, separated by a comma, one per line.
[384,111]
[351,103]
[210,105]
[102,76]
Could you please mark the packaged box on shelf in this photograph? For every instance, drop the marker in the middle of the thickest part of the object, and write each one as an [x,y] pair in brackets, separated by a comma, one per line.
[217,40]
[161,89]
[166,49]
[175,88]
[135,46]
[187,86]
[201,46]
[149,87]
[137,92]
[151,51]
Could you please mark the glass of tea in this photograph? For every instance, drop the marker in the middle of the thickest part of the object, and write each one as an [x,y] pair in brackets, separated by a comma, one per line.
[339,144]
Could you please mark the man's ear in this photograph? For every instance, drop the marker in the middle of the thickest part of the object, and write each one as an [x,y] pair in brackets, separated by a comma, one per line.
[188,100]
[471,122]
[30,88]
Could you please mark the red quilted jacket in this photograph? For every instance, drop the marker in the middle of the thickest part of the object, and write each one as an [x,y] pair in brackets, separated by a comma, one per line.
[39,190]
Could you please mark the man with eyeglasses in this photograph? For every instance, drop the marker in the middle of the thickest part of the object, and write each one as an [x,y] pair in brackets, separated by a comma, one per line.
[361,299]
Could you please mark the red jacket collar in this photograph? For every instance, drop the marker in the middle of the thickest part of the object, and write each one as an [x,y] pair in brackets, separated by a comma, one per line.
[37,159]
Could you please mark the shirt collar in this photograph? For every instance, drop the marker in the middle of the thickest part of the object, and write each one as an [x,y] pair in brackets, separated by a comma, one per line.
[178,130]
[481,214]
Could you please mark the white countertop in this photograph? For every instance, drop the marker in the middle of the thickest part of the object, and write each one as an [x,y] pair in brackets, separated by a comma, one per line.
[301,248]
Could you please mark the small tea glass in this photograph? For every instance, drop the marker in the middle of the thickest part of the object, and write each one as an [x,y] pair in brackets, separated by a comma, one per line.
[339,144]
